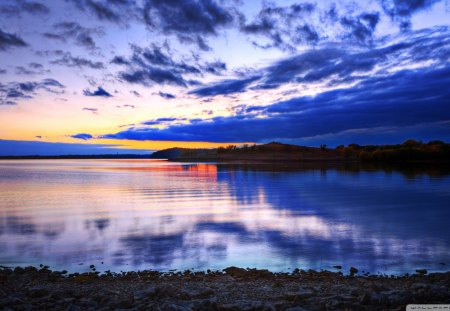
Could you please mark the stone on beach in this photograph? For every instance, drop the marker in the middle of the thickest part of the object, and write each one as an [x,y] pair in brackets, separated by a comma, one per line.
[235,289]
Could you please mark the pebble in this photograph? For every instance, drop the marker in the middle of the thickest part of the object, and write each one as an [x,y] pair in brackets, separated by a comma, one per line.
[233,289]
[38,292]
[235,272]
[145,293]
[353,271]
[422,271]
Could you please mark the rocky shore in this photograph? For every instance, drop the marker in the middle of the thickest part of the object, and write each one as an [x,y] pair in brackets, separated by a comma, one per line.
[231,289]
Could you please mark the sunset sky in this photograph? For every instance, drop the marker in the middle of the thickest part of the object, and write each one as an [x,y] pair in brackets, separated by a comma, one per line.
[107,76]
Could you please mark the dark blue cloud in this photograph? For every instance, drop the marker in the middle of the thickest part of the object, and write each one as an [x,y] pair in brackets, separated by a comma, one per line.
[402,10]
[74,31]
[284,27]
[9,40]
[17,7]
[155,75]
[166,119]
[338,65]
[100,92]
[82,136]
[156,65]
[380,135]
[24,148]
[93,110]
[225,87]
[194,39]
[135,93]
[300,24]
[14,91]
[115,11]
[409,98]
[187,16]
[189,20]
[120,60]
[152,65]
[216,67]
[163,121]
[32,69]
[166,95]
[361,28]
[69,60]
[153,55]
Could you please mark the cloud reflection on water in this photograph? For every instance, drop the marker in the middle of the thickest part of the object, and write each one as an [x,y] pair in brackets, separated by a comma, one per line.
[161,215]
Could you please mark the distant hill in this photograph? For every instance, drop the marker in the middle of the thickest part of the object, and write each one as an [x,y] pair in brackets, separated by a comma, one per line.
[174,153]
[273,151]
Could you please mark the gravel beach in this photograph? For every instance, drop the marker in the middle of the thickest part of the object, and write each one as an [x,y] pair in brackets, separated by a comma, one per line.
[231,289]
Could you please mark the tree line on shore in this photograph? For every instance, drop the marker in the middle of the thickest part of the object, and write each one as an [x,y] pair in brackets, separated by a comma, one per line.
[410,150]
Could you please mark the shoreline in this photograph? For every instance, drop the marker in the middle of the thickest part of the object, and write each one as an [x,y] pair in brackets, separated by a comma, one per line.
[230,289]
[248,161]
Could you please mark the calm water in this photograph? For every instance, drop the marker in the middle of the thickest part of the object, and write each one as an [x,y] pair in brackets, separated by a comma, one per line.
[144,214]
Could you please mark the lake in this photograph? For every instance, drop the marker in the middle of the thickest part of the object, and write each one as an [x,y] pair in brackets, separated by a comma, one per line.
[123,215]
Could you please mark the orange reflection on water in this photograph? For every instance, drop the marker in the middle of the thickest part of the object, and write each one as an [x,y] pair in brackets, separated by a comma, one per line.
[195,170]
[204,170]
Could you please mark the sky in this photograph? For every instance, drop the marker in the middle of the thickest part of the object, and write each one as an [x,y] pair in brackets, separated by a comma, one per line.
[121,76]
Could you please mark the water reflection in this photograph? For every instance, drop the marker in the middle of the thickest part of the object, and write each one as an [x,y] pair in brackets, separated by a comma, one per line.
[142,214]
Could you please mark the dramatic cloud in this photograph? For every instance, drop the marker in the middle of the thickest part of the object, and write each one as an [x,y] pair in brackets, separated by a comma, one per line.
[75,61]
[12,92]
[401,99]
[17,7]
[152,65]
[402,10]
[9,40]
[100,92]
[301,24]
[82,136]
[116,11]
[215,68]
[338,65]
[153,74]
[71,30]
[155,65]
[285,27]
[361,28]
[190,20]
[225,87]
[251,62]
